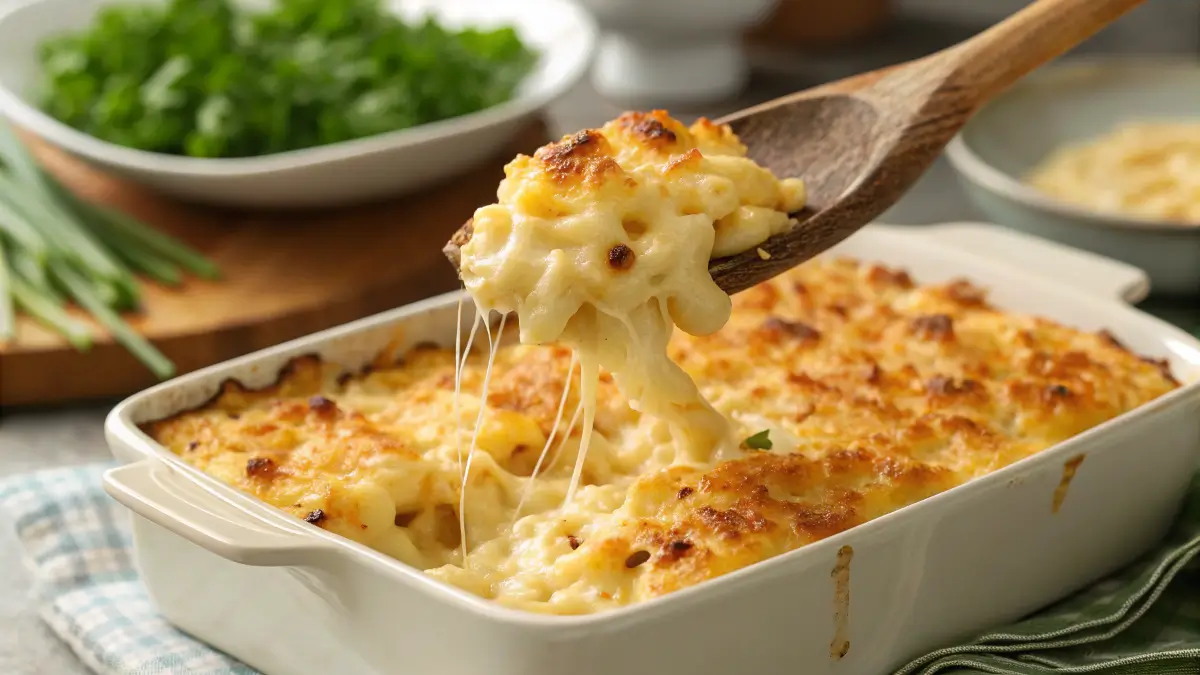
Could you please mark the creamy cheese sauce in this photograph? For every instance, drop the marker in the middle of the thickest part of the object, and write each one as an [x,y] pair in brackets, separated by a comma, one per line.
[856,391]
[601,242]
[874,392]
[1147,168]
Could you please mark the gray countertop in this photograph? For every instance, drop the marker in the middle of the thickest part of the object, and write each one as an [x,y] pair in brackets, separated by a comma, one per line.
[40,438]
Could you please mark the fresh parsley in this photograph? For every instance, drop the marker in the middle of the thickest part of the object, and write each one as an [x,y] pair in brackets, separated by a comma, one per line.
[759,441]
[204,78]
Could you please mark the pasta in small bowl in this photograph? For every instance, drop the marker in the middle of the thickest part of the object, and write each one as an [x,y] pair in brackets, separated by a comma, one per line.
[1101,154]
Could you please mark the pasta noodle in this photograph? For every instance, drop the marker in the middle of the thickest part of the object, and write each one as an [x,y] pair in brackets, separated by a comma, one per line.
[1144,169]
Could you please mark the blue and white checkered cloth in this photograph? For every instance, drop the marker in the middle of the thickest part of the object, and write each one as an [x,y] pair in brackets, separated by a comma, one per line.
[76,541]
[1142,621]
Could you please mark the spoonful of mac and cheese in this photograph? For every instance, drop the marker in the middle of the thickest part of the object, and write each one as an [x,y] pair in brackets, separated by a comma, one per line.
[859,143]
[601,242]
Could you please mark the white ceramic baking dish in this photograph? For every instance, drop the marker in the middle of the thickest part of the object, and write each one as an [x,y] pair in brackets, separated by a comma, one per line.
[291,599]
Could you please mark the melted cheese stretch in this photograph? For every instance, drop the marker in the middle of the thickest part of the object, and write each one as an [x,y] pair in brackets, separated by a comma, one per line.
[602,241]
[877,393]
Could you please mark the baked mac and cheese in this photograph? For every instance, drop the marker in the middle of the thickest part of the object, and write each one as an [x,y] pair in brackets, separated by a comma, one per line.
[601,242]
[852,390]
[1146,169]
[874,393]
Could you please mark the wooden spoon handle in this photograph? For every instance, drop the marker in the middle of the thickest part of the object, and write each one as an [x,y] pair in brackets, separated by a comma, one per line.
[1046,29]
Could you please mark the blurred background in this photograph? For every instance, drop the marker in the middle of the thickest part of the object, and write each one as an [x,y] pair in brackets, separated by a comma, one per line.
[807,42]
[799,44]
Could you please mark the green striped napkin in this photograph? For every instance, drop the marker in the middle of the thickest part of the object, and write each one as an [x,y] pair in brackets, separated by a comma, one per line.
[1144,620]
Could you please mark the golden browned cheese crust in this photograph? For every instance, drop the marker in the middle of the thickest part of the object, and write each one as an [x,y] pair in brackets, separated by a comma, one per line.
[876,393]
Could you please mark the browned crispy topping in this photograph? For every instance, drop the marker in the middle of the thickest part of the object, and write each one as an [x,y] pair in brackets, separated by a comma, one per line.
[261,467]
[582,144]
[731,523]
[885,276]
[322,406]
[690,159]
[1163,366]
[674,550]
[315,517]
[874,373]
[192,445]
[824,520]
[966,293]
[1057,391]
[533,386]
[636,558]
[887,419]
[585,155]
[651,130]
[620,257]
[795,329]
[940,385]
[938,327]
[261,429]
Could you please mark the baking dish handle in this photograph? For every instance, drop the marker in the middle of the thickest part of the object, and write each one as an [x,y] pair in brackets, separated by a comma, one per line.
[1087,272]
[161,494]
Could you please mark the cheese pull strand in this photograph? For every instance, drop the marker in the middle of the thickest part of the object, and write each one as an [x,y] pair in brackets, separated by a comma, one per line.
[562,405]
[493,346]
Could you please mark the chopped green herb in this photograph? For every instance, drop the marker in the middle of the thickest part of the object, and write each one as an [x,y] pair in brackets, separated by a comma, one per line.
[8,321]
[204,78]
[54,247]
[759,441]
[47,310]
[83,294]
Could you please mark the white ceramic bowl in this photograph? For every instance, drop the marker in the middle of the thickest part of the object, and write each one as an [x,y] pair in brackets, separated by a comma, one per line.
[1071,101]
[386,165]
[665,52]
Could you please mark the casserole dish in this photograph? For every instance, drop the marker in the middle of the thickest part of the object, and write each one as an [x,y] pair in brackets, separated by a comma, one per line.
[383,165]
[290,599]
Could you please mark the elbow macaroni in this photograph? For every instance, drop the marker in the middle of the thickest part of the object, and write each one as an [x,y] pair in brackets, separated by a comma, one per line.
[1147,169]
[876,393]
[873,392]
[602,240]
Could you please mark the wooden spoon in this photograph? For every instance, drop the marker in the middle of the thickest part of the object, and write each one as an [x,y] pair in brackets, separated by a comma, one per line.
[862,142]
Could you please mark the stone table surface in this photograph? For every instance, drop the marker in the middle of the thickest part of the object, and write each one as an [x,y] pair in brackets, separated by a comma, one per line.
[47,437]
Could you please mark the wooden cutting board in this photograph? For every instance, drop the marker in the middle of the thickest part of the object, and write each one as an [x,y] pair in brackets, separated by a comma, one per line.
[285,276]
